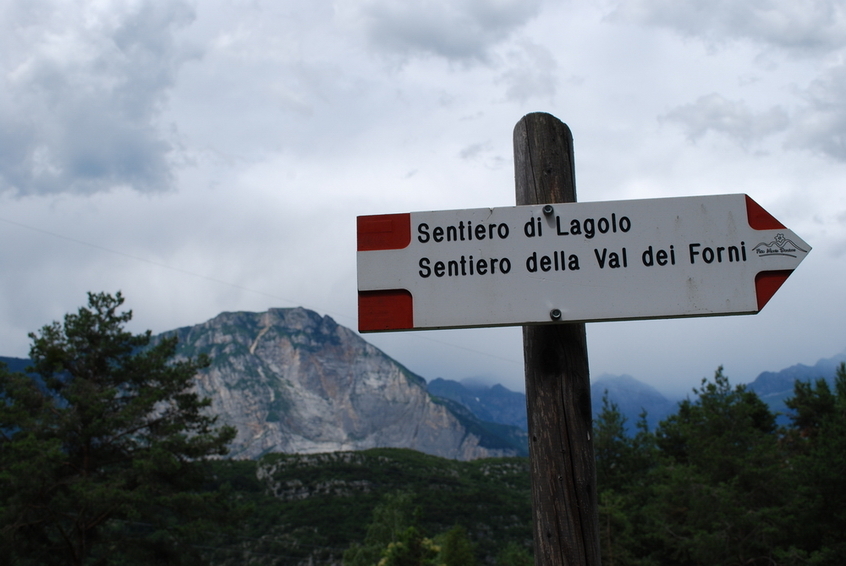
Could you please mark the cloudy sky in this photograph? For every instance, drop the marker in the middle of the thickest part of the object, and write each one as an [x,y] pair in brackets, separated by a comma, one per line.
[212,156]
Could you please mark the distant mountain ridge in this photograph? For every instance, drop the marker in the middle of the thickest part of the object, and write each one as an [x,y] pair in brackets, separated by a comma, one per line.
[15,364]
[501,405]
[490,403]
[775,387]
[632,397]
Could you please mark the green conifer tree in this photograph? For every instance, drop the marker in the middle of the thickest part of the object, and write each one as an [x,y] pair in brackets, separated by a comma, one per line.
[817,472]
[456,548]
[391,520]
[717,497]
[103,447]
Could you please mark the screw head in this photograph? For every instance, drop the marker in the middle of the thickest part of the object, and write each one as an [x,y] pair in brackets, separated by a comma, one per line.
[547,209]
[555,314]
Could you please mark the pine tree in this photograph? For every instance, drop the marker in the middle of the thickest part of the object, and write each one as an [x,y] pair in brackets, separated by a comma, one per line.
[391,520]
[623,464]
[456,548]
[514,554]
[717,497]
[103,447]
[817,440]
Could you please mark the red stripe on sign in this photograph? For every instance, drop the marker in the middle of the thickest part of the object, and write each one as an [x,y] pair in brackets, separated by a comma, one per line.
[760,219]
[392,309]
[384,232]
[767,283]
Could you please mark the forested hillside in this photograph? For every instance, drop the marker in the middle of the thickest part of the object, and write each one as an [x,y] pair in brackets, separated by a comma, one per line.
[716,483]
[312,509]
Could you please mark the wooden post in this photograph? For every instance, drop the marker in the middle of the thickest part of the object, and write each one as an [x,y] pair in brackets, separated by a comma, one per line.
[564,501]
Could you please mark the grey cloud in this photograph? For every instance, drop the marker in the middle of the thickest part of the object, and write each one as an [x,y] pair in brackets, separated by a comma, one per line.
[83,88]
[458,30]
[483,154]
[474,150]
[818,125]
[732,118]
[821,123]
[531,73]
[802,25]
[797,27]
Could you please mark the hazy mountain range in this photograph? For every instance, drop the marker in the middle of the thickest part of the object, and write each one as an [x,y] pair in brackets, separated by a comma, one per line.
[775,387]
[631,396]
[292,381]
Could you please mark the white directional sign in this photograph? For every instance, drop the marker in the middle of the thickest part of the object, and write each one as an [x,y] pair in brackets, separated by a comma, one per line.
[575,262]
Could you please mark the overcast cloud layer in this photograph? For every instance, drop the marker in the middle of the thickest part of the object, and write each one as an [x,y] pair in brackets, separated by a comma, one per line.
[208,157]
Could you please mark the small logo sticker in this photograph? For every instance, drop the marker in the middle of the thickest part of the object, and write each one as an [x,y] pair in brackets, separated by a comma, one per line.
[779,246]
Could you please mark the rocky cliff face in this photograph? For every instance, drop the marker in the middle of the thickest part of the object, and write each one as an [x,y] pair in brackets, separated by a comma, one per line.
[292,381]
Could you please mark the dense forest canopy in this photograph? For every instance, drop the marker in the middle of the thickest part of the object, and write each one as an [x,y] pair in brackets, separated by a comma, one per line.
[719,483]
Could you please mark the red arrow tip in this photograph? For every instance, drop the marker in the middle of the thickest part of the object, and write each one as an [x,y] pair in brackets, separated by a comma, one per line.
[767,283]
[760,219]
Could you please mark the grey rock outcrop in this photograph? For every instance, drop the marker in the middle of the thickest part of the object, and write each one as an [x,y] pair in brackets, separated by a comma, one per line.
[292,381]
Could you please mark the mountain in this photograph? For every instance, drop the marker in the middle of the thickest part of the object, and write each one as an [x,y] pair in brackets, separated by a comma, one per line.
[292,381]
[498,404]
[632,397]
[494,404]
[15,364]
[775,387]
